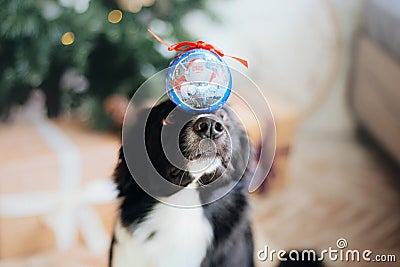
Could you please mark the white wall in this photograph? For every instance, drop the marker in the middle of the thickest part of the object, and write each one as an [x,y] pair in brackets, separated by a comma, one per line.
[291,45]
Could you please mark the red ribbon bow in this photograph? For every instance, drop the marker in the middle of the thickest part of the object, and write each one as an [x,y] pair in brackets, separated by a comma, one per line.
[186,46]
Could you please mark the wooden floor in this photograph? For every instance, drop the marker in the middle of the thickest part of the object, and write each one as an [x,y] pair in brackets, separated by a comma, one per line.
[338,188]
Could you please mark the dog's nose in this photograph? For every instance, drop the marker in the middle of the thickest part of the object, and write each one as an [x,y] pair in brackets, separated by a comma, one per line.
[208,128]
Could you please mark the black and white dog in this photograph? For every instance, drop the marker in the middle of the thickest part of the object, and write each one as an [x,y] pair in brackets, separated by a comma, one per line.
[212,176]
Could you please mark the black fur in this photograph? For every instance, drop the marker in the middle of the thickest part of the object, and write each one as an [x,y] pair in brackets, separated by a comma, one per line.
[232,244]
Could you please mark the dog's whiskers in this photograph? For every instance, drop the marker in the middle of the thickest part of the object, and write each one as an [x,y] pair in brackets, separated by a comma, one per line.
[200,182]
[180,181]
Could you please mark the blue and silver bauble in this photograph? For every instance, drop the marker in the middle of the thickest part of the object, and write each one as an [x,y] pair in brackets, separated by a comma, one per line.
[198,81]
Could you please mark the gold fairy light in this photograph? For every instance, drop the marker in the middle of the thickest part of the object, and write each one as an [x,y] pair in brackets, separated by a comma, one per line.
[68,38]
[115,16]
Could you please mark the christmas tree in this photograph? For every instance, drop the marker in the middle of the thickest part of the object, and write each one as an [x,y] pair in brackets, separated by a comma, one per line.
[81,52]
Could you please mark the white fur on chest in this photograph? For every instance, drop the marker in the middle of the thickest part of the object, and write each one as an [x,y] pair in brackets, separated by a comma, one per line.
[179,237]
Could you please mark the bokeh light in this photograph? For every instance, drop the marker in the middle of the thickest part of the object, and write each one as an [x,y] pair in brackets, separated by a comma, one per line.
[147,3]
[134,7]
[115,16]
[68,38]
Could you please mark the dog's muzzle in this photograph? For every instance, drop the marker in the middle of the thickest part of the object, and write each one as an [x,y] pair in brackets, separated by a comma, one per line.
[208,128]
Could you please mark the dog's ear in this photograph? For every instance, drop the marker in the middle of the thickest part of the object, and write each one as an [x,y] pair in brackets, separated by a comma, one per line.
[141,141]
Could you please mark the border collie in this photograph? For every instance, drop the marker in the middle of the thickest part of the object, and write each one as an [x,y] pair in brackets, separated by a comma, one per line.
[202,220]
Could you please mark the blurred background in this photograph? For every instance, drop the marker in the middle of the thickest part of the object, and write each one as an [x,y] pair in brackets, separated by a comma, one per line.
[330,70]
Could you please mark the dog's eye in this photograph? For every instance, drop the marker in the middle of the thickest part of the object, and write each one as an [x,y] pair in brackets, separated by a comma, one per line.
[223,115]
[168,120]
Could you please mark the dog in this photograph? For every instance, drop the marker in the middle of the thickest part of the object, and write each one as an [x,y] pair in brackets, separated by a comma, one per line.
[199,217]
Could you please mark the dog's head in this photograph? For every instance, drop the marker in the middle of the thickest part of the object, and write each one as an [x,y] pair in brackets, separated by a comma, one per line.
[187,149]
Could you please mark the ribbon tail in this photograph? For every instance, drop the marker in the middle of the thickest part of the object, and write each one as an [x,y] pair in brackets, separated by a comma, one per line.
[241,60]
[160,40]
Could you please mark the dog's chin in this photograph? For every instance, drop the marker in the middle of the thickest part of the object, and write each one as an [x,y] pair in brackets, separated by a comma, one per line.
[207,156]
[206,165]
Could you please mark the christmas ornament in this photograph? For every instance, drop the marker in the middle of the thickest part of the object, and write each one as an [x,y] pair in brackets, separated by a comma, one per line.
[198,80]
